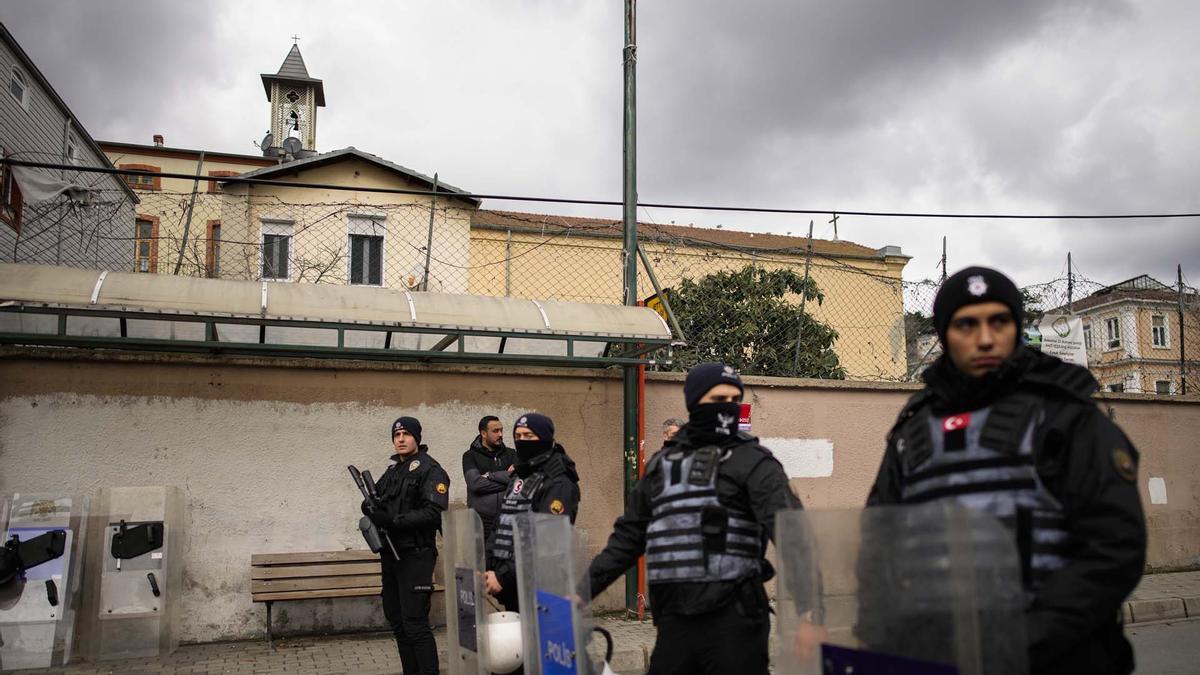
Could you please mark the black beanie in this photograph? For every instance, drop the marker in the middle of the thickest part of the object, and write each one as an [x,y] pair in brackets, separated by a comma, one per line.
[972,286]
[410,424]
[705,376]
[537,423]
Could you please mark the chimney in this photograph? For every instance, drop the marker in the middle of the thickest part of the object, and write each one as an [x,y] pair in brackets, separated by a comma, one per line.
[158,140]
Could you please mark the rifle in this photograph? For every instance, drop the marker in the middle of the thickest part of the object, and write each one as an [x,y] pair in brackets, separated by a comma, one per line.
[373,536]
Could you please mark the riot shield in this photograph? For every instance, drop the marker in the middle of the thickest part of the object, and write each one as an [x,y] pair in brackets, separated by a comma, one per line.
[464,565]
[135,573]
[44,532]
[934,589]
[551,563]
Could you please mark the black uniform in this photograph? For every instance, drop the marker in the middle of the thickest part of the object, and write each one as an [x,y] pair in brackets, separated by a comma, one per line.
[702,514]
[551,487]
[1027,445]
[414,492]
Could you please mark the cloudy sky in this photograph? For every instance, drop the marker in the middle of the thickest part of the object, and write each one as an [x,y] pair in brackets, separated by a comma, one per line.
[1025,106]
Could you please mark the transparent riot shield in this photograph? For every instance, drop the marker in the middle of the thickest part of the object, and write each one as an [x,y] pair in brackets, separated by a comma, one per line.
[464,566]
[550,565]
[933,589]
[38,606]
[135,574]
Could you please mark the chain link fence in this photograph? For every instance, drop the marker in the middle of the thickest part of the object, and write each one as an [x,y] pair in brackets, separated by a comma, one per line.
[768,304]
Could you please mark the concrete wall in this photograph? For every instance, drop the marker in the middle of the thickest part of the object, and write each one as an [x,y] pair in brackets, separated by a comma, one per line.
[261,449]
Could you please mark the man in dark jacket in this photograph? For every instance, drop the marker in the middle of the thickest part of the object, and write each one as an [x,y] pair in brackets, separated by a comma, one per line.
[1014,433]
[413,493]
[488,469]
[546,482]
[702,514]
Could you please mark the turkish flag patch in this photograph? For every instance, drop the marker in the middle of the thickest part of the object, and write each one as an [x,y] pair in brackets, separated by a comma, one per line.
[954,432]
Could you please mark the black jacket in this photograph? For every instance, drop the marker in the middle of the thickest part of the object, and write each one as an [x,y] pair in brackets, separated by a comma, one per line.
[415,491]
[559,495]
[751,480]
[485,492]
[1089,465]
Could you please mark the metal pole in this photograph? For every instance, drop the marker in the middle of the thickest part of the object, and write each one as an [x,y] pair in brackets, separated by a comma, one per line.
[1070,285]
[508,263]
[1182,360]
[187,226]
[943,259]
[629,259]
[429,238]
[803,302]
[662,295]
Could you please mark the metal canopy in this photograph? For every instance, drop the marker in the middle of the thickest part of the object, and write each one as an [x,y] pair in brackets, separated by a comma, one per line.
[63,306]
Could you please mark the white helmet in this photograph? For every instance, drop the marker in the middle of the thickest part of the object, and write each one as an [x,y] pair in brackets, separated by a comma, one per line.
[503,642]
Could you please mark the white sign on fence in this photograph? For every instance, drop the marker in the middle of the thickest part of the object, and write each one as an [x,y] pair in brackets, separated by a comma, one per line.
[1062,336]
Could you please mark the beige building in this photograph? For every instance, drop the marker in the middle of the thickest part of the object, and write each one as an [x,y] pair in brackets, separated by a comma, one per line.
[359,225]
[542,256]
[1133,337]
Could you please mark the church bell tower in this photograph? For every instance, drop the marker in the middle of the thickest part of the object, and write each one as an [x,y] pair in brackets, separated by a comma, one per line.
[294,98]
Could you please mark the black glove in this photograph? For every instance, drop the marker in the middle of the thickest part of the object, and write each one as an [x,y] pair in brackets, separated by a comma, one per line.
[368,507]
[381,518]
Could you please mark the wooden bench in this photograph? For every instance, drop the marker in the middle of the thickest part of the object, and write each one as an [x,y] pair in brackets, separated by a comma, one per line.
[277,577]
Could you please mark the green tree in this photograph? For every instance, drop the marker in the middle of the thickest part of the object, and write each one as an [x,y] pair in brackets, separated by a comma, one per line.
[750,319]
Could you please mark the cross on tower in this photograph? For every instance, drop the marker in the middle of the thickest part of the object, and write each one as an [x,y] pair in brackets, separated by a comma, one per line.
[834,221]
[295,39]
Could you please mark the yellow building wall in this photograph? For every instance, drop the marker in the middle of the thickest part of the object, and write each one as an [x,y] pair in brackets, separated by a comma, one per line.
[863,298]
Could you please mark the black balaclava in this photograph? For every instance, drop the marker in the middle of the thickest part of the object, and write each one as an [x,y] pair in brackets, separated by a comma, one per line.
[410,424]
[530,454]
[711,422]
[972,286]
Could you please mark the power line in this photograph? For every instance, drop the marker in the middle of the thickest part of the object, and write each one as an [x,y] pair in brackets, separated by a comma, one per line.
[604,202]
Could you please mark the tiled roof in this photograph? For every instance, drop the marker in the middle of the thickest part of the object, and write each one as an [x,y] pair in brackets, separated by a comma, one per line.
[759,241]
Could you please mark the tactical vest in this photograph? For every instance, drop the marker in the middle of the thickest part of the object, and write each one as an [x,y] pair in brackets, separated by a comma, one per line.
[692,536]
[519,499]
[984,459]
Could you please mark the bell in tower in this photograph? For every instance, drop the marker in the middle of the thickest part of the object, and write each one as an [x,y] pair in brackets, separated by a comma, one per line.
[294,98]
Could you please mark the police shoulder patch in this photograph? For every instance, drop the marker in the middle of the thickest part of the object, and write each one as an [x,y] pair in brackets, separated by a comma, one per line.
[441,488]
[556,507]
[1124,464]
[414,464]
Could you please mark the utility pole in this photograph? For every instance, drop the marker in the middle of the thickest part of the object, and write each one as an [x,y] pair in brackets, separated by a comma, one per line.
[1182,332]
[1070,285]
[943,263]
[629,258]
[429,238]
[803,299]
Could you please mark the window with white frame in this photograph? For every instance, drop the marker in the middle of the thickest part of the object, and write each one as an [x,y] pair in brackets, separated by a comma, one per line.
[18,87]
[1158,331]
[277,250]
[1162,387]
[72,153]
[1112,329]
[1087,336]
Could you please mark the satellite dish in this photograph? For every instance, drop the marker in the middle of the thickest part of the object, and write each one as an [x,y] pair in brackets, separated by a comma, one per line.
[267,141]
[293,145]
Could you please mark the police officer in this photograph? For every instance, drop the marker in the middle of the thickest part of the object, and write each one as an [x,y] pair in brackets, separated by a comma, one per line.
[702,515]
[413,493]
[1013,432]
[546,482]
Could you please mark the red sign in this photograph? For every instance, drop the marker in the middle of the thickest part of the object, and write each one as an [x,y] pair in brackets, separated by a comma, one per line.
[956,422]
[744,418]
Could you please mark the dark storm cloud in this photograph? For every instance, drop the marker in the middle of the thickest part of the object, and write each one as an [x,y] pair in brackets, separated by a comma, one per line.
[119,64]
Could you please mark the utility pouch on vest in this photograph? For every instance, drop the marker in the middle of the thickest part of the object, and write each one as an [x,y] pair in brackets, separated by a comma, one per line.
[704,465]
[714,524]
[1007,422]
[914,445]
